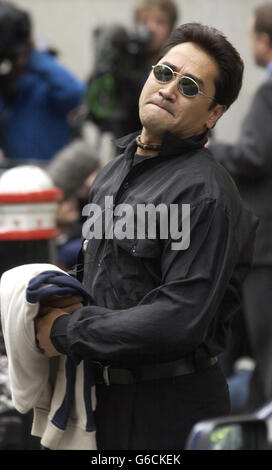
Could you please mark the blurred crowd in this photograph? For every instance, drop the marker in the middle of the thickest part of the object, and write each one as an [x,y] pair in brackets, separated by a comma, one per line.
[44,110]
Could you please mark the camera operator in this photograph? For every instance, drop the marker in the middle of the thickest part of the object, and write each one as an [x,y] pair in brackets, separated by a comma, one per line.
[36,93]
[123,62]
[159,17]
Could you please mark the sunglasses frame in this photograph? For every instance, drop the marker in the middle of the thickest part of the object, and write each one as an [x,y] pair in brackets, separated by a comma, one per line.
[180,88]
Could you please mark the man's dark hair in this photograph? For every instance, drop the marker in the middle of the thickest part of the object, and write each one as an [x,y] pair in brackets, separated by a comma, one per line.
[15,30]
[216,45]
[263,19]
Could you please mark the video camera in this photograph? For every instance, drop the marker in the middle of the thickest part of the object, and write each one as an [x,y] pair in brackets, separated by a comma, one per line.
[120,59]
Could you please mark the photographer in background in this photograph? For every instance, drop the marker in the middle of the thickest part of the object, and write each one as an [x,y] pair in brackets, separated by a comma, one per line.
[159,17]
[36,93]
[122,63]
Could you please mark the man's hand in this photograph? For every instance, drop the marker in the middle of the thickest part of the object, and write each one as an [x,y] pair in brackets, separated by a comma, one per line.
[69,303]
[54,308]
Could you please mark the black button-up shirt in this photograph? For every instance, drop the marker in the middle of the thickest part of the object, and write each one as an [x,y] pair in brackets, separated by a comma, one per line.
[152,303]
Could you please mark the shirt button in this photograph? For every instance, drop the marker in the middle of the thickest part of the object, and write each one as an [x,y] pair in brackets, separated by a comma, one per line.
[125,185]
[134,249]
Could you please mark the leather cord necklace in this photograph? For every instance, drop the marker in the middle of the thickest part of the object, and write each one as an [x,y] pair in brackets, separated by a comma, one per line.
[146,146]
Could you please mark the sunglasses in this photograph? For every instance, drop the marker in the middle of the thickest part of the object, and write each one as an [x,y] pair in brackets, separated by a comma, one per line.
[186,85]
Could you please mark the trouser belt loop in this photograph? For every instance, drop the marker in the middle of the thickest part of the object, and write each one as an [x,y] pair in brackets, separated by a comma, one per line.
[106,376]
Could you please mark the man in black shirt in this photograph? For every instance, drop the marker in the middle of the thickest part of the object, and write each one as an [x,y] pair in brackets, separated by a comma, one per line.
[162,305]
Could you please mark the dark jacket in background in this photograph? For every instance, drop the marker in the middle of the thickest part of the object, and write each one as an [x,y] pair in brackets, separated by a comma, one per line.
[249,162]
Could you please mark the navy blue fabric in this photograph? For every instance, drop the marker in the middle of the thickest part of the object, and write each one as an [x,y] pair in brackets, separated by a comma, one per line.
[88,378]
[50,283]
[61,416]
[68,253]
[40,287]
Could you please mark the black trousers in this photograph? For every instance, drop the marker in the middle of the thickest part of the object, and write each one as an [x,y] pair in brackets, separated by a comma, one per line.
[158,414]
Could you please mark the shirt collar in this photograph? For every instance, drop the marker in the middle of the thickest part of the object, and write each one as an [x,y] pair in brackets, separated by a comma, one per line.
[172,145]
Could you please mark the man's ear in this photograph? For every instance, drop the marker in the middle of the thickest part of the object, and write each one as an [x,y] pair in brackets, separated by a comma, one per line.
[216,112]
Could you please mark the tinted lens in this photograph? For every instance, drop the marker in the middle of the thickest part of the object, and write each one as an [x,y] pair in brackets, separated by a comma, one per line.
[162,73]
[188,87]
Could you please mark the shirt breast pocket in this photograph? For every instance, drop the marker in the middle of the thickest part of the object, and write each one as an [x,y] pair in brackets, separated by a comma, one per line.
[140,248]
[143,261]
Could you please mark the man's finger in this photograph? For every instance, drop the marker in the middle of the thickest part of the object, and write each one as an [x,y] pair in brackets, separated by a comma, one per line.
[45,310]
[61,301]
[74,307]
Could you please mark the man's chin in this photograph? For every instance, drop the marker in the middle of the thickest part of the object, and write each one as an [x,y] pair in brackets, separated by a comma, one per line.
[154,121]
[154,127]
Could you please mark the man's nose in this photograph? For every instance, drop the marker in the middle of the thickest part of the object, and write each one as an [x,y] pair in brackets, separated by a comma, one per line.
[169,90]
